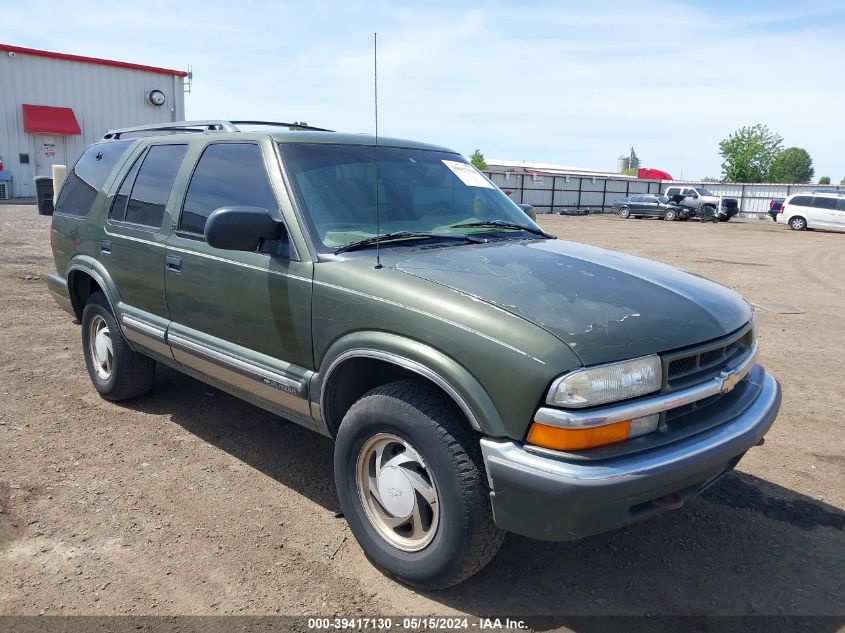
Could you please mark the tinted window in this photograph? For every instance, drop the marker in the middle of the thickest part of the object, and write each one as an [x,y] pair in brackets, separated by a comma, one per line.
[118,207]
[673,191]
[841,204]
[88,176]
[153,184]
[688,192]
[803,201]
[636,198]
[824,203]
[228,174]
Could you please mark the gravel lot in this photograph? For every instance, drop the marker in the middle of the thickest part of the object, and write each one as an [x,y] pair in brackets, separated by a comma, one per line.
[192,502]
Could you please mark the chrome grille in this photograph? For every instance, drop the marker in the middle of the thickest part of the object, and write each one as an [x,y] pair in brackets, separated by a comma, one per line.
[688,367]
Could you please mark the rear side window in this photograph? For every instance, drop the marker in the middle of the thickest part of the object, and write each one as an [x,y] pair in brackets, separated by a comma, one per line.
[227,174]
[118,207]
[149,190]
[802,201]
[824,203]
[88,176]
[673,191]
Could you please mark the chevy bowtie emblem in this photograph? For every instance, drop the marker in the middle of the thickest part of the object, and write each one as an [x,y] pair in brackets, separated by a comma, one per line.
[729,380]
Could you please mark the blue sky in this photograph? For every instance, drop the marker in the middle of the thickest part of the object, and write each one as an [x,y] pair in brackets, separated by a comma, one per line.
[573,83]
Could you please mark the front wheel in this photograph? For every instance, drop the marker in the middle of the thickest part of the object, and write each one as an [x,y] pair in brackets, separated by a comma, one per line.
[411,483]
[670,215]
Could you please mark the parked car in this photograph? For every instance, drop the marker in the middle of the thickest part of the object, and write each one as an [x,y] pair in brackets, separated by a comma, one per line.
[646,205]
[813,211]
[705,202]
[477,375]
[775,205]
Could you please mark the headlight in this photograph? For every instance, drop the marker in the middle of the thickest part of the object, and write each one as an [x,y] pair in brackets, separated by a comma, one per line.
[607,383]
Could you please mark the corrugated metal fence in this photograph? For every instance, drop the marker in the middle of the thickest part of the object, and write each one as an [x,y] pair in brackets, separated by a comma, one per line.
[555,192]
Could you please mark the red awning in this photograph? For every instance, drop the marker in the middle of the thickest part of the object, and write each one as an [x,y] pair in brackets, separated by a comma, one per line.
[49,120]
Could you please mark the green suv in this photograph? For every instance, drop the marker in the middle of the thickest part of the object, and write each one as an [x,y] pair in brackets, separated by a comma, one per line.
[478,375]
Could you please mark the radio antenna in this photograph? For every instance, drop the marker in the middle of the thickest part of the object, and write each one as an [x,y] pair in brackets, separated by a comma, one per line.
[375,148]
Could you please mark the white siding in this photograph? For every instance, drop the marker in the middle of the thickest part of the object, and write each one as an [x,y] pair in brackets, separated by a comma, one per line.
[102,97]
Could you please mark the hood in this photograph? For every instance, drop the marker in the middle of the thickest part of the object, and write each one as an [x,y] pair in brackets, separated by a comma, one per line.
[604,305]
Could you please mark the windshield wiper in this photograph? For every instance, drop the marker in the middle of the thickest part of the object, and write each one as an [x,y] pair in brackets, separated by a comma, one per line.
[401,235]
[504,224]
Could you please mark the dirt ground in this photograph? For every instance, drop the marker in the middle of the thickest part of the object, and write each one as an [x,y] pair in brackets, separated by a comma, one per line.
[192,502]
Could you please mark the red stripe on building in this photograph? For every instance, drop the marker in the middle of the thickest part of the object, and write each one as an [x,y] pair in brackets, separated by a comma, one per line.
[90,60]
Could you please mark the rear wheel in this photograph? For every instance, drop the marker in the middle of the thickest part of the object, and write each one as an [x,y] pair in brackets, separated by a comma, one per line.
[797,223]
[117,372]
[624,212]
[411,483]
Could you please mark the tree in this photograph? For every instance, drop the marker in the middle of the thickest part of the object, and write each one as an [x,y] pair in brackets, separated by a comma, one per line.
[842,182]
[824,180]
[631,171]
[748,153]
[477,159]
[792,165]
[710,179]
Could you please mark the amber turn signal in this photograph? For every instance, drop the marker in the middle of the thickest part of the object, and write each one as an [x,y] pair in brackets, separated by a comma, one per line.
[562,439]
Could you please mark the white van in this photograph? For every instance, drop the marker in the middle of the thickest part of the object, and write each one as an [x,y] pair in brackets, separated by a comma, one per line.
[813,211]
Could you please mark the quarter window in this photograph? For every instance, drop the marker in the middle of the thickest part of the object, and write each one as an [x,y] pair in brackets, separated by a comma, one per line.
[153,184]
[227,174]
[88,176]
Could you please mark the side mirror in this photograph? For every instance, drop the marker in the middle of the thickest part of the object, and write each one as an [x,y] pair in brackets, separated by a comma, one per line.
[529,211]
[244,229]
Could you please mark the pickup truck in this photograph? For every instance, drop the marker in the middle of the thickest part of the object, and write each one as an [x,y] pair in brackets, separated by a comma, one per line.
[706,203]
[477,375]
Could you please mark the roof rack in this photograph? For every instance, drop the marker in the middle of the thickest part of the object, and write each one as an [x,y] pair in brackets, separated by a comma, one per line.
[205,126]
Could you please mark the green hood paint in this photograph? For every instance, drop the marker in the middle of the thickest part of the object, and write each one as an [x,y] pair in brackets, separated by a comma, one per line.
[604,305]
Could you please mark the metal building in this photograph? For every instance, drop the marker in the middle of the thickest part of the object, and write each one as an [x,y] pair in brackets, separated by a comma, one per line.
[53,105]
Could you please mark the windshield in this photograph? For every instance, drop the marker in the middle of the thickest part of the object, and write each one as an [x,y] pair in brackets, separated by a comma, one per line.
[418,190]
[703,192]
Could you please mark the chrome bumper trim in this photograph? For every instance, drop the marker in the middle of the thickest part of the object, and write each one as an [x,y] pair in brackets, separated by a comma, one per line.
[722,383]
[734,437]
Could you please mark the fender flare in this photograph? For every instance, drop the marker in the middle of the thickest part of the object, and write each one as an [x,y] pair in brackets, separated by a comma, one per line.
[442,370]
[93,269]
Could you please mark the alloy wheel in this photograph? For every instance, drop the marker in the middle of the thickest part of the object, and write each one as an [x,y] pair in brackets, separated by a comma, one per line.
[398,492]
[100,346]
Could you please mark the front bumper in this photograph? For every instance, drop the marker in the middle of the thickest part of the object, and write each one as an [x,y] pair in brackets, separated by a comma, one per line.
[554,499]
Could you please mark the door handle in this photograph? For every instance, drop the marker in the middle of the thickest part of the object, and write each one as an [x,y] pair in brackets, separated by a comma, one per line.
[105,247]
[173,263]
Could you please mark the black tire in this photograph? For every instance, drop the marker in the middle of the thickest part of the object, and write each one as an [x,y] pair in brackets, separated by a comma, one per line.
[130,374]
[670,215]
[797,223]
[465,538]
[624,213]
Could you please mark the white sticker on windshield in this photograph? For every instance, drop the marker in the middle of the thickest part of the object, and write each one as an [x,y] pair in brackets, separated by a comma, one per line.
[468,174]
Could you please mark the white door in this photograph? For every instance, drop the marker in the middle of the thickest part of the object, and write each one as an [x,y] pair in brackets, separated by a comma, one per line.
[823,211]
[49,151]
[838,216]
